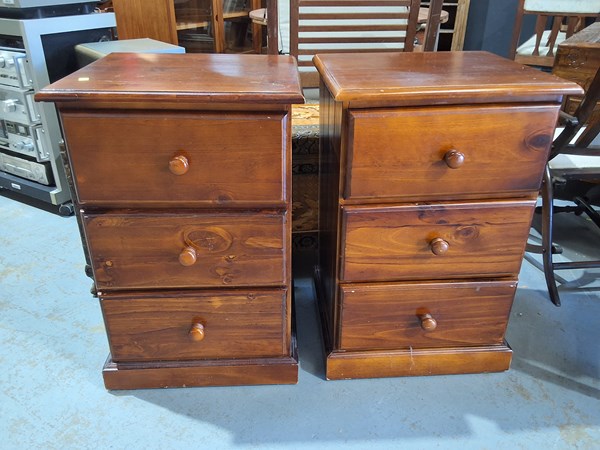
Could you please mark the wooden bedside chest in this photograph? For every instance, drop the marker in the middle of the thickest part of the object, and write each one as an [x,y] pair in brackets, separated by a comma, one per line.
[181,167]
[430,167]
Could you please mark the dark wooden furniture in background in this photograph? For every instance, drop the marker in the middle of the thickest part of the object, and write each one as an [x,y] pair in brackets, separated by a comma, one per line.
[183,181]
[556,20]
[578,59]
[198,25]
[452,32]
[430,169]
[153,19]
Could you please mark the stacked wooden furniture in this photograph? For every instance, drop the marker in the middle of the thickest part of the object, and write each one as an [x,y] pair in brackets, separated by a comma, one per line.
[556,20]
[430,169]
[578,59]
[181,164]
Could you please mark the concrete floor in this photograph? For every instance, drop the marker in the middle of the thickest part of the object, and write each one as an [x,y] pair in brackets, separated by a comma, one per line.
[53,347]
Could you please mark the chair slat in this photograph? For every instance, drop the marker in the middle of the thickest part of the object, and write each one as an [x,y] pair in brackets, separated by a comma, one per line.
[355,16]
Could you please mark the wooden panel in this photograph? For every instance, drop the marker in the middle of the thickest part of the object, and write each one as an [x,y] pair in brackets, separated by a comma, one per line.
[398,242]
[389,316]
[401,153]
[186,79]
[448,361]
[201,373]
[578,59]
[232,158]
[330,117]
[154,19]
[450,78]
[143,250]
[155,326]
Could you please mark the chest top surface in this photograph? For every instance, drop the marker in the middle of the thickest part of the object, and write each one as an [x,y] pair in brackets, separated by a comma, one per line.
[589,37]
[404,79]
[206,78]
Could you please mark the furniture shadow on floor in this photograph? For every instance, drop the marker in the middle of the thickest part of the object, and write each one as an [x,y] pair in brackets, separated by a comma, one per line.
[548,343]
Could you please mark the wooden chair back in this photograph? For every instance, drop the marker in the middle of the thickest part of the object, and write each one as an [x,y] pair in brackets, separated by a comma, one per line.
[349,26]
[556,21]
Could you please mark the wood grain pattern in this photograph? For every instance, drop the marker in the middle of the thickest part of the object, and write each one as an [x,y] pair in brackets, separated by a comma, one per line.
[233,159]
[182,170]
[183,78]
[393,243]
[578,59]
[394,153]
[151,327]
[141,250]
[387,316]
[199,373]
[429,175]
[146,19]
[440,78]
[418,362]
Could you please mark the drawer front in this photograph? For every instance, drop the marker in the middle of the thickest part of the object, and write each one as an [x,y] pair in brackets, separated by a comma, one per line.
[447,152]
[424,315]
[186,250]
[124,159]
[183,326]
[437,241]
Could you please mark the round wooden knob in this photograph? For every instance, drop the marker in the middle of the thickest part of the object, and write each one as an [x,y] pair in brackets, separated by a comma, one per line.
[197,332]
[439,246]
[179,165]
[428,323]
[454,159]
[187,257]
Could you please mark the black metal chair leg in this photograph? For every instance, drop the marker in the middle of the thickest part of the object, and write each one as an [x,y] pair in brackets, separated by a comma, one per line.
[547,217]
[591,212]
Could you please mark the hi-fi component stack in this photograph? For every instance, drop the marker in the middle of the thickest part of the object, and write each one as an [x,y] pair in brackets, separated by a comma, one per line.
[37,40]
[23,149]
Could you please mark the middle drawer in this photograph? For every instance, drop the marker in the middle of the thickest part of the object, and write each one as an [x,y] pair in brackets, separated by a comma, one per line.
[131,251]
[434,241]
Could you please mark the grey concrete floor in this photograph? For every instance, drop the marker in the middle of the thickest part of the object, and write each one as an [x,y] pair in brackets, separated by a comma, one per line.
[53,347]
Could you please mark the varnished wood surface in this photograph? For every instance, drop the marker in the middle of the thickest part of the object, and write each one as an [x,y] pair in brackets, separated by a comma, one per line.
[378,79]
[193,77]
[199,373]
[124,158]
[142,250]
[578,58]
[400,153]
[146,19]
[332,115]
[394,243]
[388,316]
[414,362]
[182,169]
[430,169]
[236,324]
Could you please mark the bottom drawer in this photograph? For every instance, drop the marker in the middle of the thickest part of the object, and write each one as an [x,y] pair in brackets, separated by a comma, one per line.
[424,315]
[196,325]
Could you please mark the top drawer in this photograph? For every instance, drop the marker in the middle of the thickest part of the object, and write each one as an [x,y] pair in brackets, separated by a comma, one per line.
[447,152]
[132,157]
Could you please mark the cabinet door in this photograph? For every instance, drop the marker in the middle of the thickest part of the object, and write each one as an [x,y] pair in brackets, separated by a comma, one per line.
[153,19]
